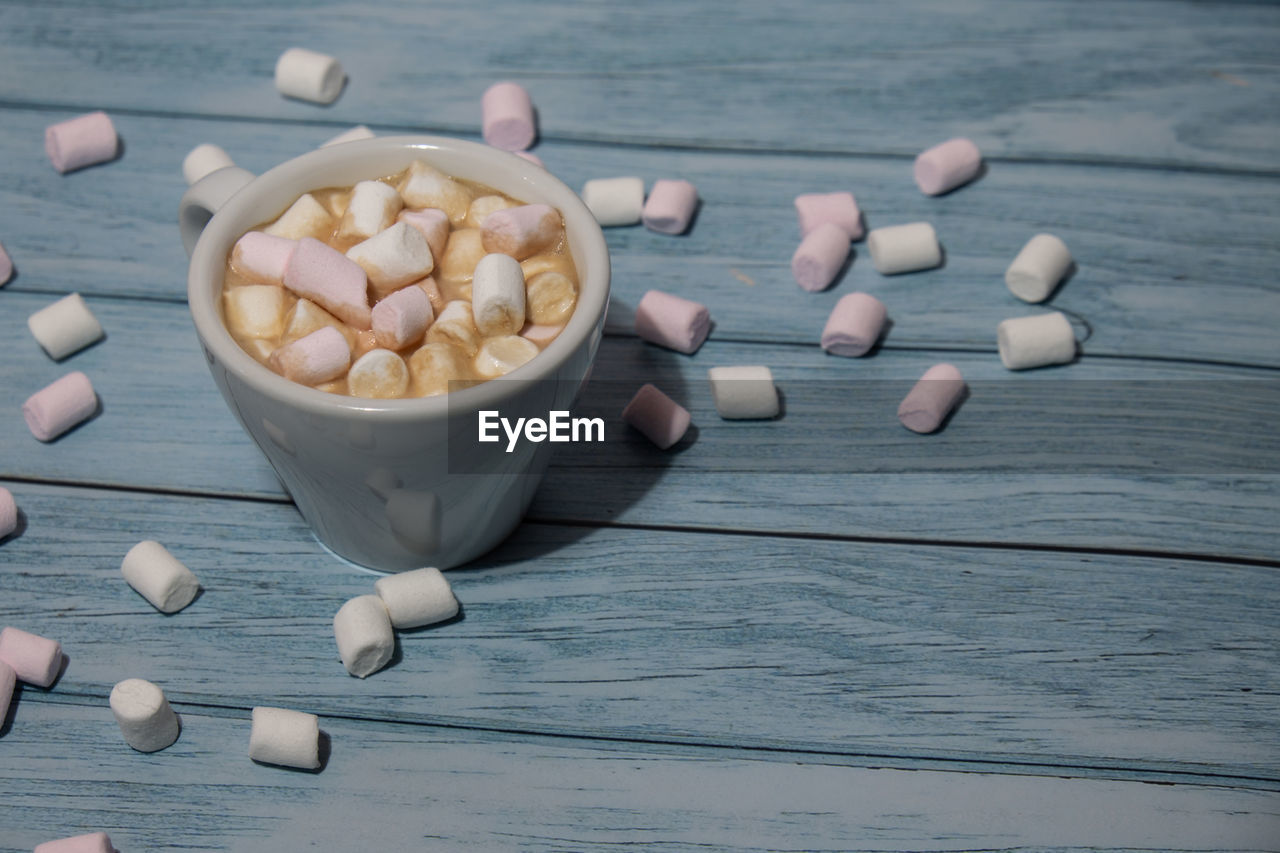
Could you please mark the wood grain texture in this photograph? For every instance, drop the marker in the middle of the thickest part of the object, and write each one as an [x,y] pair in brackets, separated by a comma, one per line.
[1072,663]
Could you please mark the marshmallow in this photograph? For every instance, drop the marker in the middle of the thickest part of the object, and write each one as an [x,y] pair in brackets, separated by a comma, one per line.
[435,364]
[311,359]
[143,714]
[540,334]
[670,206]
[672,322]
[393,258]
[261,257]
[463,251]
[372,208]
[284,737]
[501,355]
[456,325]
[1038,268]
[402,318]
[434,225]
[531,157]
[65,327]
[904,248]
[424,186]
[306,217]
[330,279]
[8,513]
[614,201]
[1036,341]
[428,286]
[8,682]
[549,298]
[378,374]
[485,205]
[306,317]
[662,420]
[255,310]
[35,659]
[854,326]
[507,117]
[157,576]
[362,629]
[932,398]
[355,134]
[839,208]
[946,166]
[6,265]
[94,842]
[522,231]
[309,76]
[59,406]
[366,342]
[820,255]
[498,295]
[81,141]
[744,392]
[416,598]
[204,159]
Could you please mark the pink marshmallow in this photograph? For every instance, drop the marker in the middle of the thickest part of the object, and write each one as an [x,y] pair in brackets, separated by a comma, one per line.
[59,406]
[521,231]
[6,265]
[932,399]
[434,225]
[672,322]
[947,165]
[854,325]
[541,334]
[8,513]
[311,359]
[81,141]
[813,209]
[94,842]
[262,257]
[35,659]
[8,681]
[662,420]
[818,258]
[670,206]
[330,279]
[531,157]
[402,318]
[508,120]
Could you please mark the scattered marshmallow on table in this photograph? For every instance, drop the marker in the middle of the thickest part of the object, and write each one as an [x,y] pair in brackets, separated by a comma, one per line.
[507,117]
[372,208]
[8,681]
[355,134]
[8,512]
[522,231]
[93,842]
[205,159]
[159,577]
[362,629]
[670,206]
[672,322]
[59,406]
[614,201]
[313,358]
[416,598]
[744,392]
[820,256]
[393,258]
[1038,268]
[37,660]
[402,318]
[6,265]
[946,166]
[284,737]
[309,76]
[932,398]
[378,374]
[838,208]
[498,295]
[904,248]
[330,279]
[82,141]
[261,257]
[854,326]
[1036,341]
[661,419]
[143,714]
[65,327]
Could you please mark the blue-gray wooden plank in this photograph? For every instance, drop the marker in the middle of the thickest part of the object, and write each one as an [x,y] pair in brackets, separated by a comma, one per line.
[1171,83]
[1067,663]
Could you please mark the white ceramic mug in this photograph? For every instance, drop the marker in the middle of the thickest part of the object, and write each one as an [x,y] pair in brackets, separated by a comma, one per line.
[393,484]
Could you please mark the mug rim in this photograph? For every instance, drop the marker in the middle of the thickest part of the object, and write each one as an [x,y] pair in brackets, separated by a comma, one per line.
[587,243]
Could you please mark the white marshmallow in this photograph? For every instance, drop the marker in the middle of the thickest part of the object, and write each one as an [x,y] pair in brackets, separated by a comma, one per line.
[501,355]
[425,186]
[255,310]
[437,363]
[306,217]
[65,327]
[204,159]
[416,598]
[434,225]
[498,295]
[378,374]
[393,258]
[158,577]
[143,714]
[1036,341]
[1038,268]
[904,248]
[743,392]
[458,263]
[362,629]
[373,207]
[614,201]
[285,737]
[549,298]
[309,76]
[483,206]
[355,134]
[456,325]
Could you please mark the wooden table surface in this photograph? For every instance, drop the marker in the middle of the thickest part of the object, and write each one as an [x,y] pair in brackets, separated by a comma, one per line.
[1055,625]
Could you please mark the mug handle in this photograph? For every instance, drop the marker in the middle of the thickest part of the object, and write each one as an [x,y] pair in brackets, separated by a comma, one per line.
[205,196]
